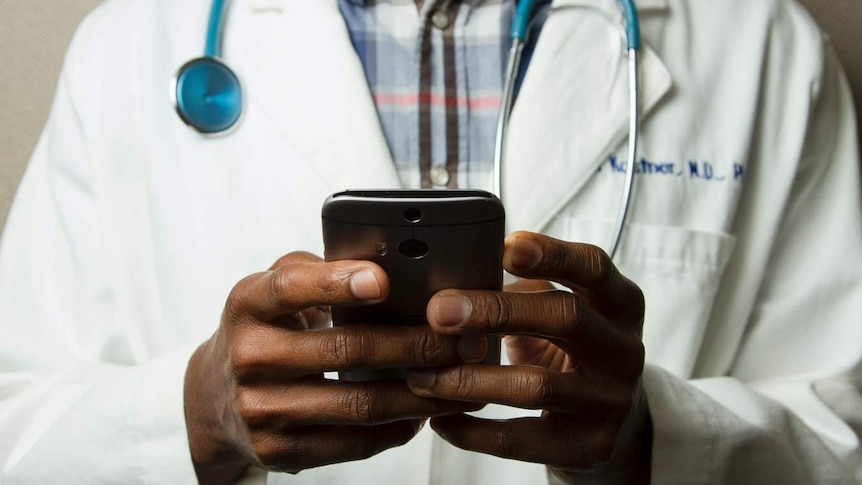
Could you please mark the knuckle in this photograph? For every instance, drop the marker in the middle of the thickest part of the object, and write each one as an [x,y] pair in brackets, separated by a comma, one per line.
[237,302]
[233,307]
[617,406]
[349,347]
[496,311]
[622,404]
[404,432]
[250,408]
[244,359]
[601,445]
[637,303]
[283,261]
[632,313]
[276,453]
[637,360]
[361,405]
[502,311]
[536,386]
[575,311]
[330,284]
[362,447]
[599,264]
[267,455]
[335,347]
[629,366]
[462,381]
[424,348]
[281,285]
[507,443]
[564,257]
[295,257]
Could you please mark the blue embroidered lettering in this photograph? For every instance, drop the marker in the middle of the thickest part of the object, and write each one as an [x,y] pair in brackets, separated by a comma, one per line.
[616,165]
[696,169]
[693,169]
[707,171]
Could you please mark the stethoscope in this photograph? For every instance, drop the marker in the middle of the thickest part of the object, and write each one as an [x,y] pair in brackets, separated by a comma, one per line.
[518,33]
[208,96]
[206,92]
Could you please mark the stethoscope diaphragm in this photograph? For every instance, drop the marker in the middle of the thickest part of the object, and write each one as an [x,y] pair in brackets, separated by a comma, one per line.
[207,95]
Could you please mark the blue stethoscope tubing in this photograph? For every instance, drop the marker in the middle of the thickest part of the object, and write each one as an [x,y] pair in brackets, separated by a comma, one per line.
[518,34]
[207,94]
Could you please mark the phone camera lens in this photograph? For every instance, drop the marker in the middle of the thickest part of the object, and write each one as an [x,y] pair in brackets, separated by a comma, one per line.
[413,215]
[413,248]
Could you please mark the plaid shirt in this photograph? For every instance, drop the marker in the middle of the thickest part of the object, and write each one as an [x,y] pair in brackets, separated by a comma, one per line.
[435,71]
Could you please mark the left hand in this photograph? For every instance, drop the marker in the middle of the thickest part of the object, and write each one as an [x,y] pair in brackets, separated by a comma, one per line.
[577,356]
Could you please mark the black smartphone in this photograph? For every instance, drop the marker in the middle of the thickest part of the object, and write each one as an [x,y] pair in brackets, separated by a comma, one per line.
[426,241]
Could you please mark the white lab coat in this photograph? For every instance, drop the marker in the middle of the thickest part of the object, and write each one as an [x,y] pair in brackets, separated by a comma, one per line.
[130,229]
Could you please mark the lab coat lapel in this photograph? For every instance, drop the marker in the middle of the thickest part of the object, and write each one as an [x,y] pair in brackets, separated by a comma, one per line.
[572,111]
[309,82]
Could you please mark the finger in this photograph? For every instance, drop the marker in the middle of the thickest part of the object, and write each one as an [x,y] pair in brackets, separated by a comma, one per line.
[314,447]
[531,255]
[556,315]
[296,257]
[296,286]
[279,354]
[548,440]
[527,286]
[312,317]
[526,387]
[324,402]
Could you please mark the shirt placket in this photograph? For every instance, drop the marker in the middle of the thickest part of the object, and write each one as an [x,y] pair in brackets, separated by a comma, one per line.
[439,108]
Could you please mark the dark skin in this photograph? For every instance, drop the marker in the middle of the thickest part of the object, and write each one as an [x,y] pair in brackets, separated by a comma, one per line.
[255,393]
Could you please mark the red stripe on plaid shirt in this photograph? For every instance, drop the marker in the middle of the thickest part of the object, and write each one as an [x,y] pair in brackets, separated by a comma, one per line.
[437,100]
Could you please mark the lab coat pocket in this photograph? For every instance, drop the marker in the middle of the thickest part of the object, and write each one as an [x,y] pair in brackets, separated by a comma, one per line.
[679,270]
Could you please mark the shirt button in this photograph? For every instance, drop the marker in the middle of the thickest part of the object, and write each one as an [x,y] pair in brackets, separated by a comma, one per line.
[440,19]
[439,175]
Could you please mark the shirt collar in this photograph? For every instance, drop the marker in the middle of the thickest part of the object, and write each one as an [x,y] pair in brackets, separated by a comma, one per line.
[641,5]
[644,5]
[276,5]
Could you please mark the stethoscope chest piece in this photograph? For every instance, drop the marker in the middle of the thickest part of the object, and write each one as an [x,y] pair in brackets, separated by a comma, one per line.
[207,95]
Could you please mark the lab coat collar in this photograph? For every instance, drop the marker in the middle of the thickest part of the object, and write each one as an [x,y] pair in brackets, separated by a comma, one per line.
[264,5]
[652,5]
[566,122]
[327,115]
[317,95]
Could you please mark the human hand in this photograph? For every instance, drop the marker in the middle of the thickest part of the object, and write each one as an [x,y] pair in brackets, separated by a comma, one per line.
[255,393]
[577,356]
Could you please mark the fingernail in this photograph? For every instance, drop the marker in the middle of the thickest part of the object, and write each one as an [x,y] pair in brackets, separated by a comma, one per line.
[472,347]
[422,378]
[453,310]
[525,253]
[363,285]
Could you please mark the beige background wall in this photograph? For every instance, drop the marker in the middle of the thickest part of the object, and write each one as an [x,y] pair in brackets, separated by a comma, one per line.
[842,20]
[34,35]
[33,39]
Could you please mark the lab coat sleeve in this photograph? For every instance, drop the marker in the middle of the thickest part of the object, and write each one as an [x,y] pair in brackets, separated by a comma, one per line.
[75,406]
[789,411]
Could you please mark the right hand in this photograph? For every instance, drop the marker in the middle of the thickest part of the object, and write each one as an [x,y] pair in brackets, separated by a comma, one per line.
[255,393]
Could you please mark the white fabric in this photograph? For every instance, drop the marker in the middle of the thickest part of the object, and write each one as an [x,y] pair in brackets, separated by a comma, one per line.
[129,230]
